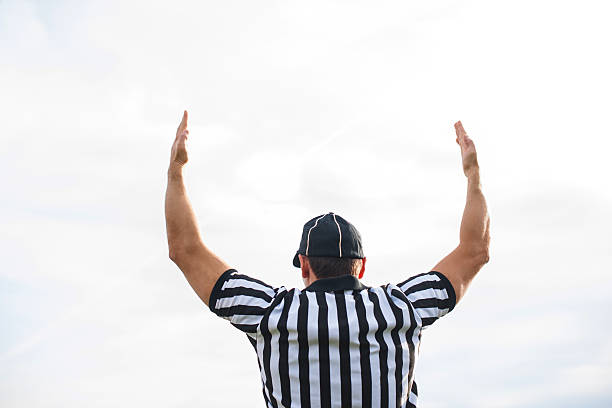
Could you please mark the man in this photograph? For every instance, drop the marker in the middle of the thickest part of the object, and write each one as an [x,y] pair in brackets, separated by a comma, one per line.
[336,343]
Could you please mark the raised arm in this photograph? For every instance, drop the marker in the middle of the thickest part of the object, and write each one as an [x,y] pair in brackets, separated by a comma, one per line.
[200,266]
[464,262]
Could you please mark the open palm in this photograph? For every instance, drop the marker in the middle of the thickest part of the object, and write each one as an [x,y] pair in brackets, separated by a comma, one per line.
[468,150]
[178,157]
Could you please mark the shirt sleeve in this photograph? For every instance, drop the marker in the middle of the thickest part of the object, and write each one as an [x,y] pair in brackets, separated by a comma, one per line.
[431,294]
[242,300]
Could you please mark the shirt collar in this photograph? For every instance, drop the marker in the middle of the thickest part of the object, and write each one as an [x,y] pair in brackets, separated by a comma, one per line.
[345,282]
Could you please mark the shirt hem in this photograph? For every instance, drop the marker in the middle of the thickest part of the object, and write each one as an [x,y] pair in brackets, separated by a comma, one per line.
[449,289]
[216,290]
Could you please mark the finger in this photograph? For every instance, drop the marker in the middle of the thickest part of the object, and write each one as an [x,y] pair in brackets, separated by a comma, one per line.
[180,142]
[459,129]
[462,136]
[183,125]
[182,135]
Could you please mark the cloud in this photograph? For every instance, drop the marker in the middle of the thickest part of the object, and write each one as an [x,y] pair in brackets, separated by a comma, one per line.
[296,110]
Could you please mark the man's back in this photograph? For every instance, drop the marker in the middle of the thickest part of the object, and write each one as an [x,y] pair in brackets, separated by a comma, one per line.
[337,343]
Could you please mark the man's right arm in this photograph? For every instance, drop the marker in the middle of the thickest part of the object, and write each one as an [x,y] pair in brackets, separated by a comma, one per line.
[464,262]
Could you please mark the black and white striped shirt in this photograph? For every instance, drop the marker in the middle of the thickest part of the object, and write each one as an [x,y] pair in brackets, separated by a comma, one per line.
[336,343]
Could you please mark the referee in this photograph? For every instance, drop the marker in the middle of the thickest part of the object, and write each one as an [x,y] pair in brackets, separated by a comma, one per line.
[337,342]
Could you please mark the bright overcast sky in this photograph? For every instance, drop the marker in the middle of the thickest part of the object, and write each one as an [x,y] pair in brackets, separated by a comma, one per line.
[297,109]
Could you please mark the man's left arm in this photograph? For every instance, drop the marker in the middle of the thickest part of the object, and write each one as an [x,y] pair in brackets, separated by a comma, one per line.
[200,265]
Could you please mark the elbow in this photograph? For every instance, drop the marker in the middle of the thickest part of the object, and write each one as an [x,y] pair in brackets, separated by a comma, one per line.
[175,254]
[182,254]
[172,255]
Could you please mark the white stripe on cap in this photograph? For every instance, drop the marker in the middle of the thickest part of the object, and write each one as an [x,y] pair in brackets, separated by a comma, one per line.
[308,239]
[339,232]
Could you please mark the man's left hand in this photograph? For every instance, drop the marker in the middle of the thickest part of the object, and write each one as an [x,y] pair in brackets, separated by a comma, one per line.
[178,157]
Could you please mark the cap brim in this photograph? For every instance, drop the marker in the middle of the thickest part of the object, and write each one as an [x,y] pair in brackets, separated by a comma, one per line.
[296,260]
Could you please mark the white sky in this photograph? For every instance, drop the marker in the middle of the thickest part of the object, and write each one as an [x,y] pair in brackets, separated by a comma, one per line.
[299,108]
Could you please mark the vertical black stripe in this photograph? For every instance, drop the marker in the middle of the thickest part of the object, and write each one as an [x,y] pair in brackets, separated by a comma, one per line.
[302,335]
[263,386]
[384,351]
[344,344]
[267,348]
[253,342]
[399,323]
[364,352]
[409,334]
[283,351]
[324,371]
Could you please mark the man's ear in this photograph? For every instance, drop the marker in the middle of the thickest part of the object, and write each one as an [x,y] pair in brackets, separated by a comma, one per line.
[362,271]
[305,266]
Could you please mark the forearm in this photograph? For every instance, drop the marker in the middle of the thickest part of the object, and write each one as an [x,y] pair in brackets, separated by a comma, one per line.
[181,224]
[474,232]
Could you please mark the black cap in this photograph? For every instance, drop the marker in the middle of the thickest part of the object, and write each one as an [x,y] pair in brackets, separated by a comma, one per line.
[329,235]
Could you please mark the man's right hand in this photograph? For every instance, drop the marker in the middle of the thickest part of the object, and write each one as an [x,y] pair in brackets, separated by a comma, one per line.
[468,150]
